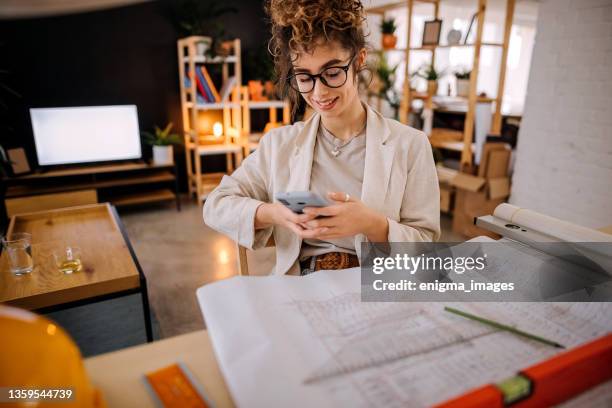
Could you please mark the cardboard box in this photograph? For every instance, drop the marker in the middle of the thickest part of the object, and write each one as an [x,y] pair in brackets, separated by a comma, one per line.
[468,206]
[447,191]
[479,195]
[446,198]
[467,196]
[495,160]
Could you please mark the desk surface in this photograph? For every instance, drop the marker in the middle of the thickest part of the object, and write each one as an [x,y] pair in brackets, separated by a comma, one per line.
[108,266]
[119,375]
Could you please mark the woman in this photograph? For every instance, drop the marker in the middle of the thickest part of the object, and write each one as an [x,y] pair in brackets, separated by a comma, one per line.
[378,174]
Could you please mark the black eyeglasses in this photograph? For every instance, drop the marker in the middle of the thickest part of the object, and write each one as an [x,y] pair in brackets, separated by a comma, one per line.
[333,77]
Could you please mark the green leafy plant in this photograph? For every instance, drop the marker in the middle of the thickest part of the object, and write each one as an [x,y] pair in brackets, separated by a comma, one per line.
[385,73]
[463,73]
[199,17]
[386,76]
[429,73]
[161,137]
[388,26]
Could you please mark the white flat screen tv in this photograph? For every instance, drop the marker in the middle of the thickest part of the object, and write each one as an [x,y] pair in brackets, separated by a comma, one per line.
[86,134]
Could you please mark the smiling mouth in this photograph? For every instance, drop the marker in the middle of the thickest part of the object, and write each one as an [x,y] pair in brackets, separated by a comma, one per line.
[326,104]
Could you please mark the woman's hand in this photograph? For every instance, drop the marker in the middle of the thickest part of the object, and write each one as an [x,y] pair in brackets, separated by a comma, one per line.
[346,218]
[269,214]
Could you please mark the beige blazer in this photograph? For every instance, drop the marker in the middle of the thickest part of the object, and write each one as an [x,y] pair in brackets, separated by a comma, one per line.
[400,181]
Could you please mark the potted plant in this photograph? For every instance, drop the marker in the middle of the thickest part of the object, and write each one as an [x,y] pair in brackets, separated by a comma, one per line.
[385,79]
[463,82]
[203,45]
[389,39]
[201,18]
[429,73]
[162,141]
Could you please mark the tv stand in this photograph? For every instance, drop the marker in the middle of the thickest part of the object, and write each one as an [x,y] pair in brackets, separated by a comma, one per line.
[121,184]
[95,165]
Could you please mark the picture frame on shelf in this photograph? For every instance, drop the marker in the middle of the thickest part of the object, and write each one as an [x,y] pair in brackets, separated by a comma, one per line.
[19,161]
[431,32]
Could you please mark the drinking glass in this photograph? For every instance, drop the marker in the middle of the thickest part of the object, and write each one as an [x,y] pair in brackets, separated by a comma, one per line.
[18,247]
[68,259]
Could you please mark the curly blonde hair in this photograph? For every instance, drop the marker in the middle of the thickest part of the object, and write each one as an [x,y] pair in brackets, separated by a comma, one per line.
[299,26]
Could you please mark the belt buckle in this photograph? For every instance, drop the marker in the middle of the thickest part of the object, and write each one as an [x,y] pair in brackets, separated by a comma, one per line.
[307,266]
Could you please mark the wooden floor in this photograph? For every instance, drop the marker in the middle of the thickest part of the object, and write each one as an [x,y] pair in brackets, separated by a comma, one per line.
[179,253]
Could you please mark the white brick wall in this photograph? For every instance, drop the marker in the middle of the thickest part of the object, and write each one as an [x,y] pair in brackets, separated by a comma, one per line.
[564,155]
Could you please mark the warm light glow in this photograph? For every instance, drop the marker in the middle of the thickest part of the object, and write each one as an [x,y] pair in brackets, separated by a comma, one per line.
[223,257]
[51,329]
[217,129]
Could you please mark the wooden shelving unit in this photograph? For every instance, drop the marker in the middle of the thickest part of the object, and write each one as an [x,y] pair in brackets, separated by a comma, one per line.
[211,180]
[408,95]
[120,184]
[231,142]
[151,178]
[252,138]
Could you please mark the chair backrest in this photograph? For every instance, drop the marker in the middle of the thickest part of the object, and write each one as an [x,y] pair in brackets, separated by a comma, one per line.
[243,265]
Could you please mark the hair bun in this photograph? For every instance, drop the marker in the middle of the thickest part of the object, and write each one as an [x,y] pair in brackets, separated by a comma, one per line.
[305,18]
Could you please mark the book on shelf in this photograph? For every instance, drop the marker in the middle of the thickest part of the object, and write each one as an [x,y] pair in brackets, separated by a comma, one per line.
[206,89]
[227,88]
[200,85]
[211,86]
[187,84]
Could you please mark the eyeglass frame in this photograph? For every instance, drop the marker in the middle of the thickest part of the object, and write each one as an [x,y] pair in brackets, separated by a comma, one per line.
[314,77]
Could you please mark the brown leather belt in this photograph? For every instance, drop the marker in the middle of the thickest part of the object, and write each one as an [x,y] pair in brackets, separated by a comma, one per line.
[332,260]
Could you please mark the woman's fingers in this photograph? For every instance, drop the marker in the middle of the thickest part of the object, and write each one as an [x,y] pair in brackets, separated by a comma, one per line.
[305,232]
[342,197]
[299,218]
[329,233]
[321,222]
[322,211]
[312,233]
[322,232]
[339,198]
[308,226]
[296,228]
[325,236]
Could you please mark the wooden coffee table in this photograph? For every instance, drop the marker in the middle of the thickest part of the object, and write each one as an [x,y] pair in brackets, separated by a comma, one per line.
[110,266]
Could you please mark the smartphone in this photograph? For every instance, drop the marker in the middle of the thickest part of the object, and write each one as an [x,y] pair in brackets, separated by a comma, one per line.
[297,200]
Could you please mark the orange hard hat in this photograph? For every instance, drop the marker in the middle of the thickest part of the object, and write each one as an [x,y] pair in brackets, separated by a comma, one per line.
[37,354]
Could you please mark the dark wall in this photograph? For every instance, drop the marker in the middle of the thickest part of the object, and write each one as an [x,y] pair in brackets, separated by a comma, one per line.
[124,55]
